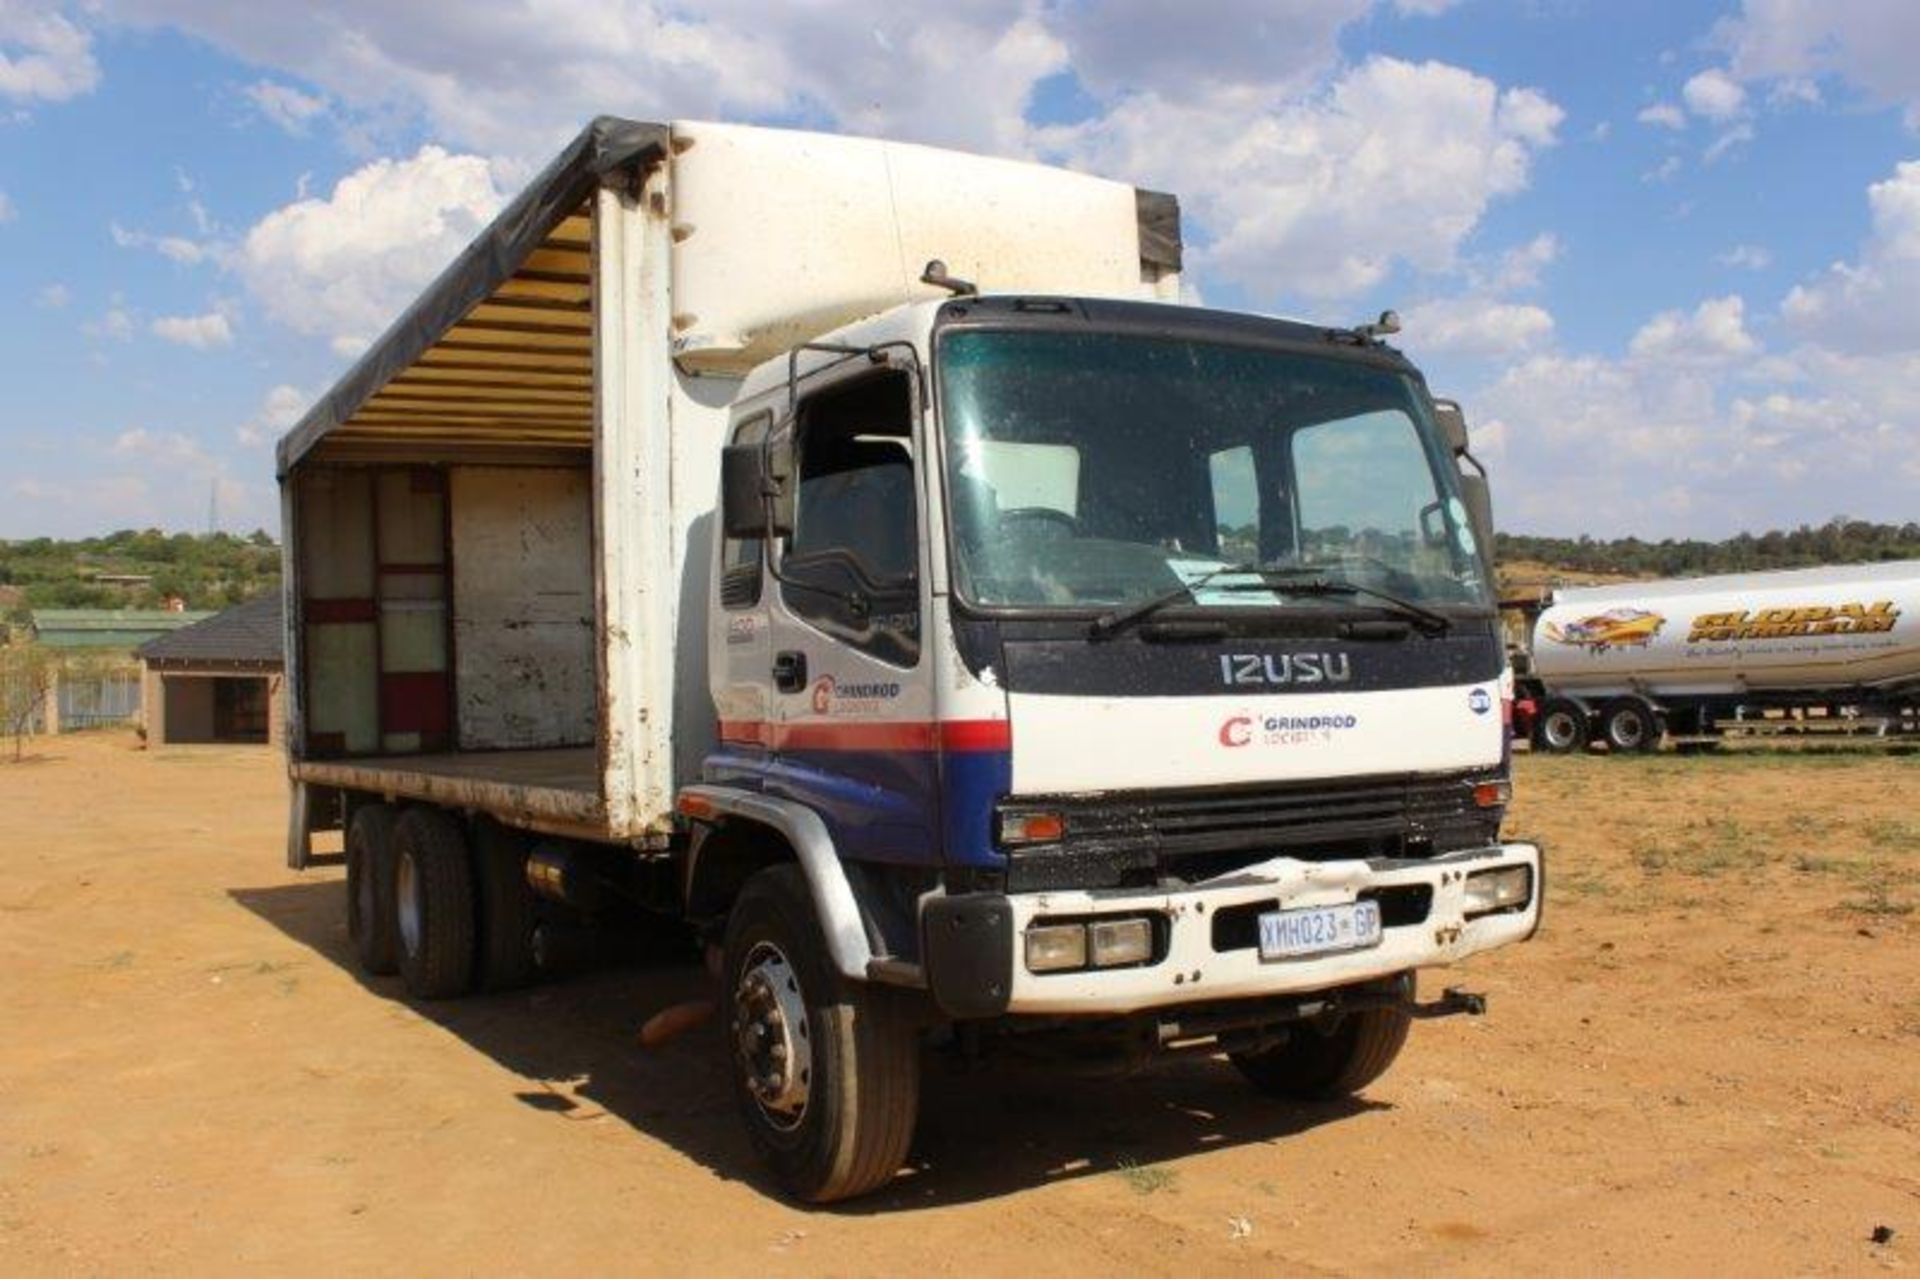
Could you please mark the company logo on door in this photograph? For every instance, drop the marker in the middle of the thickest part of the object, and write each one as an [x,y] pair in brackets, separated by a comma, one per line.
[831,697]
[1283,730]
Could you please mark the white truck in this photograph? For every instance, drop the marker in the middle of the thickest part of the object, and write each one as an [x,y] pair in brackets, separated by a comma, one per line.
[971,668]
[1816,649]
[1801,650]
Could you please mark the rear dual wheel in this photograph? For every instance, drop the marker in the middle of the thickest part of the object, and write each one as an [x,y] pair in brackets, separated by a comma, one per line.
[1631,726]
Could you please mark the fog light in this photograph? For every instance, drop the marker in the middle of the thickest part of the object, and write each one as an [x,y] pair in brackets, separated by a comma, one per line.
[1116,942]
[1492,794]
[1031,828]
[1495,890]
[1056,947]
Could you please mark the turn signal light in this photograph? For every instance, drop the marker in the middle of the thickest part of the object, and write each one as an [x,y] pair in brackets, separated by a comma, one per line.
[1032,828]
[1492,794]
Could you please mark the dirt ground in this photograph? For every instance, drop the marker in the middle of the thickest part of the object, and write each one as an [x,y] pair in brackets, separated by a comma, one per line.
[1708,1060]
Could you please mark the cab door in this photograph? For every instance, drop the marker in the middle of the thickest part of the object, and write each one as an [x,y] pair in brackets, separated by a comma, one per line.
[738,653]
[851,705]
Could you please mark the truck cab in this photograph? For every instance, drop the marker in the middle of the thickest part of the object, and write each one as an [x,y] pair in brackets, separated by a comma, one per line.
[1133,661]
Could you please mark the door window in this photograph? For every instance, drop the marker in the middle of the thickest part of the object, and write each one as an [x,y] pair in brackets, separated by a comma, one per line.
[851,567]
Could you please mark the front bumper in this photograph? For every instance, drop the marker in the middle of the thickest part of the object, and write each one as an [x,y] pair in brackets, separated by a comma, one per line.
[973,947]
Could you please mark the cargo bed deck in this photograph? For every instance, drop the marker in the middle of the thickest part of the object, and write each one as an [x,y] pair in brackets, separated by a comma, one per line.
[542,789]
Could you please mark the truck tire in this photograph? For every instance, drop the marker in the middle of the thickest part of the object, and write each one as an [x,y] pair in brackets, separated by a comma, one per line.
[370,919]
[1630,726]
[1316,1065]
[826,1072]
[433,904]
[1562,727]
[508,909]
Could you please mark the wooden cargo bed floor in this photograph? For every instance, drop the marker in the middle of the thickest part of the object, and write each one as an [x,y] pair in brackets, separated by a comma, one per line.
[543,786]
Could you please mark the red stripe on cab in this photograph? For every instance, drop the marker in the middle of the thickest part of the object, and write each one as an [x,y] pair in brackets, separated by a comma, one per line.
[912,735]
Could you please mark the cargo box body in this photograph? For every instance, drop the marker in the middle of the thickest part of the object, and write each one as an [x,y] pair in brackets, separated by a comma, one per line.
[499,524]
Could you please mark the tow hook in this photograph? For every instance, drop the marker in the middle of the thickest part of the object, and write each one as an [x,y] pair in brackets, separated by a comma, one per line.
[1453,1002]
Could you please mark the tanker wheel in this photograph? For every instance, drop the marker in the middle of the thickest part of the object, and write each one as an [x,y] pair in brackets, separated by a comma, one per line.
[1631,726]
[1561,727]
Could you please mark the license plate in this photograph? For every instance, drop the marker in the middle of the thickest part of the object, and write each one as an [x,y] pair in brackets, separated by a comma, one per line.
[1319,930]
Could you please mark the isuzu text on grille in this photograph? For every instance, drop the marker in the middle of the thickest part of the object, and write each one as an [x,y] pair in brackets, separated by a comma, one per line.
[1285,668]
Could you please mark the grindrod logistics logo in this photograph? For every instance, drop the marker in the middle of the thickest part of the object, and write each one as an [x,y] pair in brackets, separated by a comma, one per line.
[1282,730]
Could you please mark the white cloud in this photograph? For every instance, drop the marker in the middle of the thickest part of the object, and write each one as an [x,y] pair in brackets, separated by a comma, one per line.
[201,332]
[1866,306]
[1664,171]
[285,106]
[1312,195]
[342,267]
[1424,8]
[1746,257]
[1739,135]
[1714,95]
[1663,115]
[175,248]
[1127,47]
[54,296]
[116,323]
[1520,267]
[1715,330]
[1792,44]
[279,410]
[1477,327]
[42,55]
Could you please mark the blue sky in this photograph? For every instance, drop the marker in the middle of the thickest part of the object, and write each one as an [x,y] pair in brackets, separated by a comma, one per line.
[1663,252]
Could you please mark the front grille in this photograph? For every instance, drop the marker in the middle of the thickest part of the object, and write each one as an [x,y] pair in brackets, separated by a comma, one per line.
[1142,839]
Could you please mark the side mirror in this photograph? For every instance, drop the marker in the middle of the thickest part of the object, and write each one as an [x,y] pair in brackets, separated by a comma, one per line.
[743,503]
[1478,496]
[755,483]
[1453,425]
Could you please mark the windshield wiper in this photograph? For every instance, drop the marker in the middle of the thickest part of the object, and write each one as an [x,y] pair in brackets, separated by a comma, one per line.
[1428,621]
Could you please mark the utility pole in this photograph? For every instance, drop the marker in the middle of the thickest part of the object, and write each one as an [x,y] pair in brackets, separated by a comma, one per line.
[213,506]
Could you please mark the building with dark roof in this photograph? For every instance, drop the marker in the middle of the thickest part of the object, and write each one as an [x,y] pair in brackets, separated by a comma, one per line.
[220,680]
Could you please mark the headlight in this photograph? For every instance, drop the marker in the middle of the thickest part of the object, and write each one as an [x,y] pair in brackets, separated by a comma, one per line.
[1491,891]
[1056,947]
[1119,942]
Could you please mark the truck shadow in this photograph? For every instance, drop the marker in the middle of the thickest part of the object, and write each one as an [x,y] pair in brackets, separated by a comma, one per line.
[983,1133]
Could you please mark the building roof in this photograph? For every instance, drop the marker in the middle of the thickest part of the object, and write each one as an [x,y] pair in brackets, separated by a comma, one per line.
[124,628]
[247,634]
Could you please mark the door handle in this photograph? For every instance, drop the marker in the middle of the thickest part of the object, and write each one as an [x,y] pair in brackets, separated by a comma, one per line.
[790,670]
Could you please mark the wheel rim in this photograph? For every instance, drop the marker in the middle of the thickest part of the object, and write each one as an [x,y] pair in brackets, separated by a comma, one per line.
[1559,730]
[408,904]
[773,1044]
[1628,731]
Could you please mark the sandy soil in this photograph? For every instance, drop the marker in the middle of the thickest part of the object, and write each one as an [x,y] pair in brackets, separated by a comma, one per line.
[1710,1059]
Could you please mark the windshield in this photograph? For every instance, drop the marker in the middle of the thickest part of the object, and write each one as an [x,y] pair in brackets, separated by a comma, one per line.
[1092,470]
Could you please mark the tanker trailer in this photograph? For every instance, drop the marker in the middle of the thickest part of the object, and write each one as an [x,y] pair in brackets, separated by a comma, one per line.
[1745,652]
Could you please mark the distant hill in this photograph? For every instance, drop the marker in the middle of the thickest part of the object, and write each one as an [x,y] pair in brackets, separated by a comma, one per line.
[136,569]
[1838,541]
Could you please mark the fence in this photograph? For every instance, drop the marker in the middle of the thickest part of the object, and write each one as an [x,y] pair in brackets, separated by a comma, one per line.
[99,700]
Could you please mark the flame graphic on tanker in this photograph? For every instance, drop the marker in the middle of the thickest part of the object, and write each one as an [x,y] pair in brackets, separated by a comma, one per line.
[1615,628]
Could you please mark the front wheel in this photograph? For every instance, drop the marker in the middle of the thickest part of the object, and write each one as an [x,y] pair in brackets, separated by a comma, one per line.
[826,1073]
[1317,1064]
